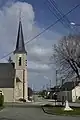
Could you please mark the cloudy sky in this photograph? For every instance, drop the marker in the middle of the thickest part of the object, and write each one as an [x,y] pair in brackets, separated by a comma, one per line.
[35,18]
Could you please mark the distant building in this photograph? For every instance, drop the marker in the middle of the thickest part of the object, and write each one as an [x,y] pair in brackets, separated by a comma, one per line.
[13,75]
[52,91]
[70,91]
[30,93]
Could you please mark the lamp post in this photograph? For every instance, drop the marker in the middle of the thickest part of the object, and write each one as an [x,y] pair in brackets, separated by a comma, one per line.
[56,77]
[74,24]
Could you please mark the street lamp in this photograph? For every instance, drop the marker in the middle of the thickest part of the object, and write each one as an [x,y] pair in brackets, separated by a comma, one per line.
[74,24]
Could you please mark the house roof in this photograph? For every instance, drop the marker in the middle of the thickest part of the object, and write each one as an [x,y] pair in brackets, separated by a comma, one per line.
[7,75]
[69,85]
[55,89]
[20,47]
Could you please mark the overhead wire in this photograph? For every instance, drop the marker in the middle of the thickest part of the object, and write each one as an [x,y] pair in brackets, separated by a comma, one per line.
[60,11]
[66,19]
[53,7]
[50,26]
[50,8]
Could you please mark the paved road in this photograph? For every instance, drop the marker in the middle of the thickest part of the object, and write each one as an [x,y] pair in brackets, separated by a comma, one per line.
[28,113]
[42,101]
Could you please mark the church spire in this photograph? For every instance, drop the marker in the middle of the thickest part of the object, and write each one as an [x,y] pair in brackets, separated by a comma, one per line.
[20,47]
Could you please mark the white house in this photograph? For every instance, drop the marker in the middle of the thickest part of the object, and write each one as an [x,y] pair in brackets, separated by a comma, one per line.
[76,93]
[69,91]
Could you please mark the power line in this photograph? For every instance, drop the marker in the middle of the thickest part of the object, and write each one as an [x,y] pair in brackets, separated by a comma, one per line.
[66,20]
[55,14]
[56,6]
[52,6]
[46,28]
[59,12]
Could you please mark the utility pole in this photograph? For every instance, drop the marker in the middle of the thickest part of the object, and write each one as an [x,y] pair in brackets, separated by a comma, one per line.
[75,83]
[46,86]
[56,78]
[43,87]
[50,83]
[32,88]
[23,84]
[62,81]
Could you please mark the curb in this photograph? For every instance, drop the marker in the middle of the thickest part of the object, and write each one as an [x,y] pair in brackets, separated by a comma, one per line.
[59,114]
[23,105]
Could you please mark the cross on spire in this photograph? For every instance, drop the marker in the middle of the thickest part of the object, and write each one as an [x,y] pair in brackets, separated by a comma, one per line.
[20,14]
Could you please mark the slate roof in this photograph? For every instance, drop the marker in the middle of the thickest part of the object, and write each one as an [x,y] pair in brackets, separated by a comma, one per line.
[20,47]
[7,75]
[55,89]
[69,85]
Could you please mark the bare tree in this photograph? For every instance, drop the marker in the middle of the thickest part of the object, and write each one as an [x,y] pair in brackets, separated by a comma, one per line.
[67,56]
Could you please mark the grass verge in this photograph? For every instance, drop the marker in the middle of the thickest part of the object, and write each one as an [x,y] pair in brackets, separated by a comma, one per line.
[59,110]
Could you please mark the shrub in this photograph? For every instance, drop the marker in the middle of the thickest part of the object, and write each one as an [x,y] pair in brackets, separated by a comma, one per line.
[1,100]
[79,98]
[30,98]
[23,100]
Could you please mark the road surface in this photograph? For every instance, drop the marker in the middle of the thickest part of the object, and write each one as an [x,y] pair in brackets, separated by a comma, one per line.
[29,113]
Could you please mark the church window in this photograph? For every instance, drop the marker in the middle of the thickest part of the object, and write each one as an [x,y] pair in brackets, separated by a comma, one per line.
[19,61]
[26,62]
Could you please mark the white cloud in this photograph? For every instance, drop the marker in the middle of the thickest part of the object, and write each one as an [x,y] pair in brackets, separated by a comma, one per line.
[39,50]
[4,61]
[40,54]
[38,66]
[9,17]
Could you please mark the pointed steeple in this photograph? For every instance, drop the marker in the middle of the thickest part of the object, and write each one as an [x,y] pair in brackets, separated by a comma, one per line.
[20,47]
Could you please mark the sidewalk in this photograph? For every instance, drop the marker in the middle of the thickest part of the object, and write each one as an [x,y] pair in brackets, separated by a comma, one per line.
[38,104]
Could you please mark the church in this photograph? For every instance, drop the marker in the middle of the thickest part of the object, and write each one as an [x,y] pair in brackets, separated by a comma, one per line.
[13,75]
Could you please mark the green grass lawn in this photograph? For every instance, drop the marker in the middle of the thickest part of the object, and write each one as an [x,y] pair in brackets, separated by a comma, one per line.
[59,110]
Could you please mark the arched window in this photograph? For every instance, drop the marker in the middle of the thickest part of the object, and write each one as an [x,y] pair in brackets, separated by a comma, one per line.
[19,61]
